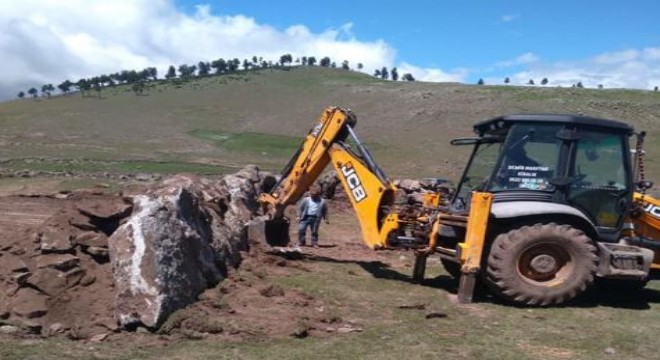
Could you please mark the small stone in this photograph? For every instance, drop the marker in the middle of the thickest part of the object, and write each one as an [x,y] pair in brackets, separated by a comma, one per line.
[12,263]
[109,324]
[104,210]
[56,328]
[272,291]
[49,281]
[18,251]
[98,337]
[142,177]
[435,315]
[21,278]
[61,262]
[91,238]
[98,252]
[84,225]
[347,330]
[29,304]
[610,351]
[143,330]
[54,240]
[74,277]
[30,326]
[9,329]
[87,280]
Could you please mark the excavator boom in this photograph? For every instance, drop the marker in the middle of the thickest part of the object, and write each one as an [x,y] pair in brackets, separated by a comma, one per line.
[370,192]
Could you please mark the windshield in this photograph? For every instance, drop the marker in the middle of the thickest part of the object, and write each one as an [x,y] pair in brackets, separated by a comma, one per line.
[529,158]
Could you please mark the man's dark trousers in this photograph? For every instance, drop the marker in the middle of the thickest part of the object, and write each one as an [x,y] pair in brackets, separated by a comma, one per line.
[309,221]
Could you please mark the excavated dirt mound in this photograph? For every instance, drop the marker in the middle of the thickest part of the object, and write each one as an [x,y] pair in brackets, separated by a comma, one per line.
[56,278]
[54,272]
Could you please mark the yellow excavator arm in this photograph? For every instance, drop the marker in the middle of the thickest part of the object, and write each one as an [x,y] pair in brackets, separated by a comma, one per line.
[369,190]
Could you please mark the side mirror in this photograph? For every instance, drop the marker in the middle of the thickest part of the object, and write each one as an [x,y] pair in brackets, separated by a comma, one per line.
[644,185]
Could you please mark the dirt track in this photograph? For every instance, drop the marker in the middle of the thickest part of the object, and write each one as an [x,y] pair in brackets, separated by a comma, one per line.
[19,212]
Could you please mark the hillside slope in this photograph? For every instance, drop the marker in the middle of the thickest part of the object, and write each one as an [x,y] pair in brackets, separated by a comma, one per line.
[227,120]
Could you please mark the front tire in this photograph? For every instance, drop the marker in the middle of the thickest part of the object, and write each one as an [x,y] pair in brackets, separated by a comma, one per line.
[543,264]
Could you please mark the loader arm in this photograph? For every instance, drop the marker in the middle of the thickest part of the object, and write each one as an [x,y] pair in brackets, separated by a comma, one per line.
[369,190]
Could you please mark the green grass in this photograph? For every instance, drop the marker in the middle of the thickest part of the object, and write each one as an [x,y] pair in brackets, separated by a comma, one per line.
[270,111]
[264,144]
[113,167]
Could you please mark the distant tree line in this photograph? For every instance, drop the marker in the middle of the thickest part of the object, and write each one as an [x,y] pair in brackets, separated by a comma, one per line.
[140,79]
[545,81]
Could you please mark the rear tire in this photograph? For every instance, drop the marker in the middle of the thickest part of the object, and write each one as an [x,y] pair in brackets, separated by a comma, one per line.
[543,264]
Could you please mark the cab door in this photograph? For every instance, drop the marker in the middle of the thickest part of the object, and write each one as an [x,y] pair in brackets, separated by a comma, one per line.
[600,174]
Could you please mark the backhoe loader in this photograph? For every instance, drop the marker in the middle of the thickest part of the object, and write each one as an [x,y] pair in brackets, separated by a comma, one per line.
[546,204]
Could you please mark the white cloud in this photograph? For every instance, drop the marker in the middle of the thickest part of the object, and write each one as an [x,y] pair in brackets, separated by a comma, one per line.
[617,57]
[630,68]
[48,41]
[433,74]
[509,17]
[526,58]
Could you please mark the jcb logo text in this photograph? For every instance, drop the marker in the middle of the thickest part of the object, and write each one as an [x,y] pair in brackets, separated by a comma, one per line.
[653,210]
[353,182]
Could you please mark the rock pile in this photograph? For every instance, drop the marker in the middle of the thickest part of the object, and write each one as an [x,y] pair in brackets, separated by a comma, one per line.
[180,240]
[414,190]
[47,270]
[105,262]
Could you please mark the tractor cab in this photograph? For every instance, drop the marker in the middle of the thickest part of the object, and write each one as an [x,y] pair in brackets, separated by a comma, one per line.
[550,163]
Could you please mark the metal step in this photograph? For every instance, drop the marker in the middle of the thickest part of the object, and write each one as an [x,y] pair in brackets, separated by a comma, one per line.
[624,261]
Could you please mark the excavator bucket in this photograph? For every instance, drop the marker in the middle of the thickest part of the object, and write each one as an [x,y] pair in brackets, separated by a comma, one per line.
[272,232]
[277,232]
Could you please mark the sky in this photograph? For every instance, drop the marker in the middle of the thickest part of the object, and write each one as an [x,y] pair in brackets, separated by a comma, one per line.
[597,42]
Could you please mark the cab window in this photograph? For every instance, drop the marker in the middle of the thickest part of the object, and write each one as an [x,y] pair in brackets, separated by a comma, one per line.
[529,158]
[600,180]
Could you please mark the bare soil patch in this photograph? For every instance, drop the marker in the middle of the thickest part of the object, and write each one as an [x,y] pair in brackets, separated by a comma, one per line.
[56,278]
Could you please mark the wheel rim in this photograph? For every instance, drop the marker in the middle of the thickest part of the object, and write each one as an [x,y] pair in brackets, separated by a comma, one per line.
[546,263]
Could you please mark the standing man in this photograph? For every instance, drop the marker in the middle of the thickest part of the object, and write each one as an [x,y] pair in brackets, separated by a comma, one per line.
[312,209]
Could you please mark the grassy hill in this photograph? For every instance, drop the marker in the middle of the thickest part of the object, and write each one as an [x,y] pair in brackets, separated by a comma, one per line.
[213,124]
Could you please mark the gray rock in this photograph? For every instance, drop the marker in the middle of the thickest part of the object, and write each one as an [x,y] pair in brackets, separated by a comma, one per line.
[49,281]
[56,328]
[12,263]
[54,240]
[98,337]
[74,276]
[98,252]
[29,303]
[91,238]
[61,262]
[142,177]
[329,183]
[9,329]
[249,172]
[161,256]
[95,209]
[21,278]
[179,240]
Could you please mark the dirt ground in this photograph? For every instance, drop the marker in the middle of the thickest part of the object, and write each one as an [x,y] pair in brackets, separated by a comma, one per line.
[76,302]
